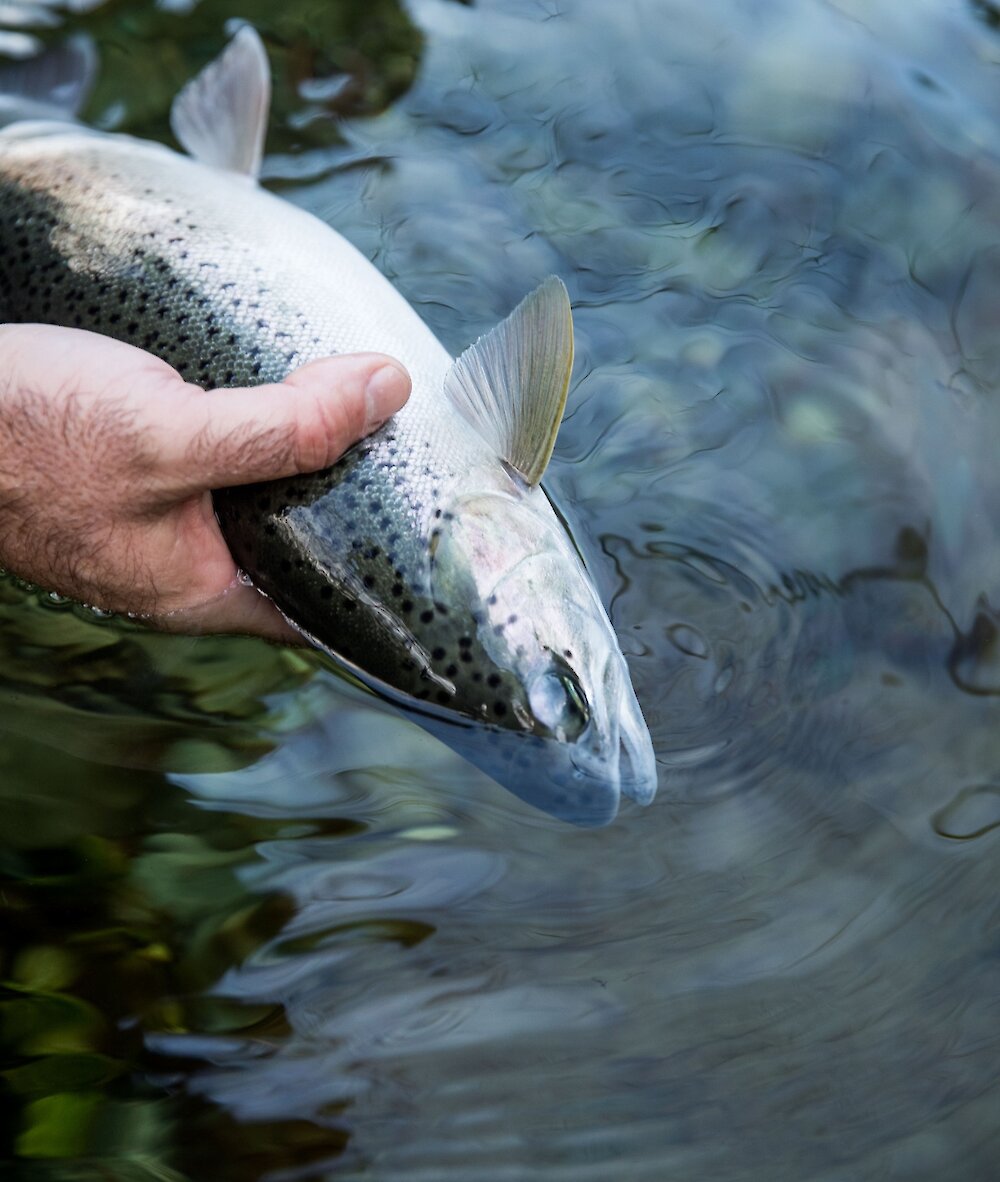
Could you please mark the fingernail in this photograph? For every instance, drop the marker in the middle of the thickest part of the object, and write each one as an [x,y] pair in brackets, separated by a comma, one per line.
[387,389]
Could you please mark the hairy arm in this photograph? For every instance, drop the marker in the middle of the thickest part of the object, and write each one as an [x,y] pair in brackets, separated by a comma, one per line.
[107,459]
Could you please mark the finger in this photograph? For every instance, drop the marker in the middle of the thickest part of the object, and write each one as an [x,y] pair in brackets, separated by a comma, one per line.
[229,437]
[57,359]
[239,609]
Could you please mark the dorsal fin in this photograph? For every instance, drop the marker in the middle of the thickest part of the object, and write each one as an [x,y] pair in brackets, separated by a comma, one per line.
[221,115]
[511,384]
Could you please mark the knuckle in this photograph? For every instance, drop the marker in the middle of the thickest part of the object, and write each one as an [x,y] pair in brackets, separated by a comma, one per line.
[325,433]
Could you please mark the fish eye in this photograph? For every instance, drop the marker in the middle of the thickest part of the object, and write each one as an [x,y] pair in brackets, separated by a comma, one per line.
[558,702]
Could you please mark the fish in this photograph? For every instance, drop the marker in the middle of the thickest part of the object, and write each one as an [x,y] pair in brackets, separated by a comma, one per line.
[428,562]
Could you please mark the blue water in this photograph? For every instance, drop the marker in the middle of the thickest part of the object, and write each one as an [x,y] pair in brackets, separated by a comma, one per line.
[780,228]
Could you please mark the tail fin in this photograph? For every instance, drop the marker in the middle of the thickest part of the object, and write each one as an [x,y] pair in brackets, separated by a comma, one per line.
[54,85]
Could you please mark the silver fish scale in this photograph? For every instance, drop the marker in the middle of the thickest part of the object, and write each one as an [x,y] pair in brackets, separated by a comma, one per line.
[233,287]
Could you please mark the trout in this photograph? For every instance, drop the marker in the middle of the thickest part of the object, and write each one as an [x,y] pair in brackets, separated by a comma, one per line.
[428,561]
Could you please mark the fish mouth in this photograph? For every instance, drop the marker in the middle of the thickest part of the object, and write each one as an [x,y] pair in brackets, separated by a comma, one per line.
[629,771]
[636,761]
[617,748]
[541,772]
[637,776]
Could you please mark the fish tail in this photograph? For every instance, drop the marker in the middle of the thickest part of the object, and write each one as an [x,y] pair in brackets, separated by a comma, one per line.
[53,85]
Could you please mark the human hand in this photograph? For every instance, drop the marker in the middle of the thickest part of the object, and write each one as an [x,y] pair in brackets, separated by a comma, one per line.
[107,459]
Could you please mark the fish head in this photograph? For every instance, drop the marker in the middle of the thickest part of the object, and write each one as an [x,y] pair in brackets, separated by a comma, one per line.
[559,679]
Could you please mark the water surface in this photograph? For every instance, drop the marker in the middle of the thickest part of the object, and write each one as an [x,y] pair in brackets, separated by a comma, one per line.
[257,925]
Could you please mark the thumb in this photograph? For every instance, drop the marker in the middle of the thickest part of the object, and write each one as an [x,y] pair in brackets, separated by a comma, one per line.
[220,438]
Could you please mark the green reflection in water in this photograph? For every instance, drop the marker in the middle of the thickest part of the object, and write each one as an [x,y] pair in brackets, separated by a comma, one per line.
[119,904]
[328,60]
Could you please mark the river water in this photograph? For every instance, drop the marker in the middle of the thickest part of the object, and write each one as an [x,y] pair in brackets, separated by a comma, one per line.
[258,925]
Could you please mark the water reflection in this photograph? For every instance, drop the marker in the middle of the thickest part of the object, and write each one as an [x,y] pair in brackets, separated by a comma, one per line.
[778,225]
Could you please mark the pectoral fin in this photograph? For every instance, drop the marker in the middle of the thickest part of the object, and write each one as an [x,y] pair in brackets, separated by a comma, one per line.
[221,115]
[511,384]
